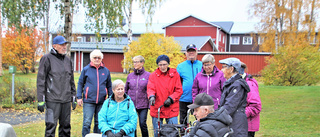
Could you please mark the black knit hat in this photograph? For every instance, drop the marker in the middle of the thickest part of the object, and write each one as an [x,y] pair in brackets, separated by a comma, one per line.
[163,57]
[202,99]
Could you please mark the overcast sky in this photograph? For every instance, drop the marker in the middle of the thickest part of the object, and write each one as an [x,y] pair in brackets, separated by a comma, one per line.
[208,10]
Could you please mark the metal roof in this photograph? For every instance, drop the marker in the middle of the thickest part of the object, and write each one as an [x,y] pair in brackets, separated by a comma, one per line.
[199,41]
[226,25]
[137,28]
[198,19]
[243,28]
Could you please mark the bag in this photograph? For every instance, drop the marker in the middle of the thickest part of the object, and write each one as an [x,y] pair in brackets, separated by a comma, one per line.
[169,130]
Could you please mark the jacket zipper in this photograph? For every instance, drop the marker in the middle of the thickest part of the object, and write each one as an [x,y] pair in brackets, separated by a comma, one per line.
[137,88]
[208,84]
[192,70]
[97,85]
[114,124]
[87,92]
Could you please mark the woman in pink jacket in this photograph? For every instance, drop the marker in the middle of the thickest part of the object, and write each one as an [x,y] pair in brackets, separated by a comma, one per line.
[253,107]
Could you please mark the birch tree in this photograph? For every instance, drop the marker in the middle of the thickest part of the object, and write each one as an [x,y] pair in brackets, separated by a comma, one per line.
[109,15]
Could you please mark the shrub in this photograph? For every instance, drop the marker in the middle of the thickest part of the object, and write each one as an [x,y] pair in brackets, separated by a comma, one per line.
[24,91]
[293,66]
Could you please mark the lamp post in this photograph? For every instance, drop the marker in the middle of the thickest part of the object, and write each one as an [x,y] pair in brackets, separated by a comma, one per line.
[44,30]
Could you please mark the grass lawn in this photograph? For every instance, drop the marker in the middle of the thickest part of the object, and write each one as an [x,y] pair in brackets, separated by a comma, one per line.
[286,111]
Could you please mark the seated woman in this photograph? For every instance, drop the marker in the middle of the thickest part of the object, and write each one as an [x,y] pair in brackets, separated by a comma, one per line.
[118,116]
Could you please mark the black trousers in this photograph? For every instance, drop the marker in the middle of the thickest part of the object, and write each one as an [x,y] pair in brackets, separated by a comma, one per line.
[58,111]
[251,134]
[183,112]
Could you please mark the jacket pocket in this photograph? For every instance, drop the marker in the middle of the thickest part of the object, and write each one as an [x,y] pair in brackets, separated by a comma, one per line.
[87,90]
[106,93]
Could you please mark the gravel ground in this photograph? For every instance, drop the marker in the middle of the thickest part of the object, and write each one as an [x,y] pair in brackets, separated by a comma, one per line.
[15,117]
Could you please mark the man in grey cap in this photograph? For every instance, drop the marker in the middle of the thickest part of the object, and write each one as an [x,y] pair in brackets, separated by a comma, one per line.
[234,96]
[56,89]
[210,123]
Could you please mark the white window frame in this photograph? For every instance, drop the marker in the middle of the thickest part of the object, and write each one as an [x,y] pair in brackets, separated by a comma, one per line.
[81,39]
[223,39]
[260,40]
[220,37]
[103,39]
[246,42]
[235,43]
[93,39]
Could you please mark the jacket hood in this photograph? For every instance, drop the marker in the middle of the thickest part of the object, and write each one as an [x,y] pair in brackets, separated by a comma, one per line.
[214,71]
[171,72]
[221,115]
[244,84]
[239,78]
[138,71]
[55,53]
[126,97]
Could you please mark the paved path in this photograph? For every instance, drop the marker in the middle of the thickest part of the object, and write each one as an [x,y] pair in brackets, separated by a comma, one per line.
[15,117]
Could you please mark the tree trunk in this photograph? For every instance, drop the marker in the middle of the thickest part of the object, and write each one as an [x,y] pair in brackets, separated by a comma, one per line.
[311,24]
[47,29]
[129,32]
[0,42]
[67,25]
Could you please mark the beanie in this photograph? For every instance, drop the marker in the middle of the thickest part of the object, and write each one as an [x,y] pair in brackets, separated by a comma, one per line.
[163,57]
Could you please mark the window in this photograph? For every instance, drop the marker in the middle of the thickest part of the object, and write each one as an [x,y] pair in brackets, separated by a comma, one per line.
[223,39]
[219,37]
[247,40]
[104,39]
[81,39]
[93,39]
[235,40]
[260,40]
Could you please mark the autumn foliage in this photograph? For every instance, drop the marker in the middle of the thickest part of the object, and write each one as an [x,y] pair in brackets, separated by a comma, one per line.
[150,46]
[22,48]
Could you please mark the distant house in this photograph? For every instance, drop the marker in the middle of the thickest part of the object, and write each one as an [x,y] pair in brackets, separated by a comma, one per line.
[209,37]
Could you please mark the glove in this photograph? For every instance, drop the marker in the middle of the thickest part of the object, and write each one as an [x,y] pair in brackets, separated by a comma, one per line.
[152,100]
[120,134]
[41,106]
[74,103]
[168,102]
[109,133]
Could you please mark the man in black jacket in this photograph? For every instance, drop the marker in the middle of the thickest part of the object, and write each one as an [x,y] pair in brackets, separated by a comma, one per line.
[56,89]
[210,123]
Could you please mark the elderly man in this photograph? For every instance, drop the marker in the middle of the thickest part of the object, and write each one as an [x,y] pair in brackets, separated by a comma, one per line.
[56,89]
[188,71]
[210,123]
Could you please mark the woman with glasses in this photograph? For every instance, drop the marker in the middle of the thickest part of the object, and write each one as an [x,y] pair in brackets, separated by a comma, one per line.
[164,88]
[93,87]
[234,96]
[210,80]
[136,88]
[118,116]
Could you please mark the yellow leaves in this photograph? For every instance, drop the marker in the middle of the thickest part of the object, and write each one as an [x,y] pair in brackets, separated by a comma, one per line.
[19,48]
[150,46]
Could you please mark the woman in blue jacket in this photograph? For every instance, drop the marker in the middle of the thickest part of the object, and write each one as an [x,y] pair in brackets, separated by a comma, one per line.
[94,87]
[118,116]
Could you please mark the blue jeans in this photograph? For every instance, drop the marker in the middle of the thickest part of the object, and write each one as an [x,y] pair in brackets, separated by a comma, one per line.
[173,120]
[88,111]
[142,114]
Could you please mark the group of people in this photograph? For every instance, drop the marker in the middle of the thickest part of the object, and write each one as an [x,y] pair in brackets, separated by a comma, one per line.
[220,99]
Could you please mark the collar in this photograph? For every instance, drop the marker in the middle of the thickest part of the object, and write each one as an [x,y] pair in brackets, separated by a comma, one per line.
[138,71]
[92,65]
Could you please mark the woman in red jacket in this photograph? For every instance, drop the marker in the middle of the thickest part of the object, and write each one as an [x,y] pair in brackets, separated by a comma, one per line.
[164,88]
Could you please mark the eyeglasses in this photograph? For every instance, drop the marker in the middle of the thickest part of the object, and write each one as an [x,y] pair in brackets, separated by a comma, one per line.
[207,65]
[225,66]
[160,65]
[134,62]
[96,57]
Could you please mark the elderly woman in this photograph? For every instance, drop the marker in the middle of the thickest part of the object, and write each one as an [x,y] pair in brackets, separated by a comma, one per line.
[164,88]
[118,116]
[136,88]
[253,107]
[210,80]
[93,87]
[234,96]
